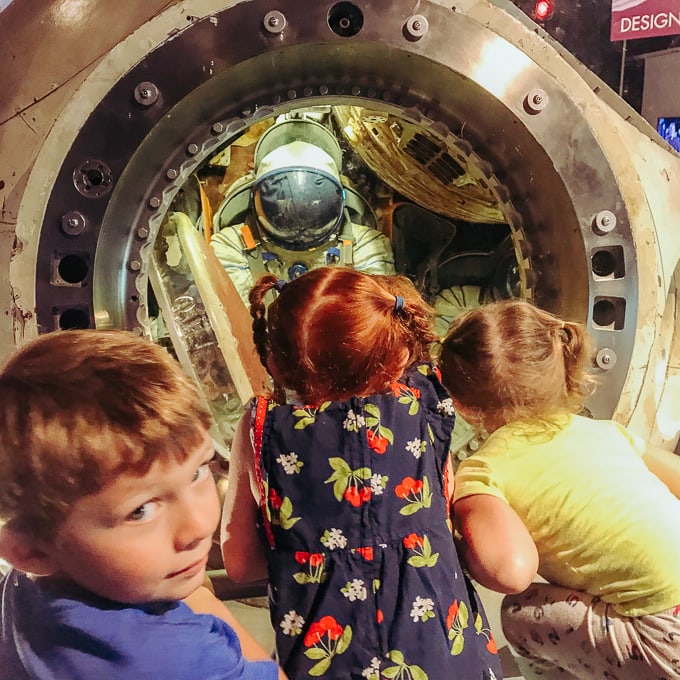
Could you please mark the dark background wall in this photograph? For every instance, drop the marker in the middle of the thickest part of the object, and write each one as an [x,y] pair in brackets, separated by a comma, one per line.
[583,27]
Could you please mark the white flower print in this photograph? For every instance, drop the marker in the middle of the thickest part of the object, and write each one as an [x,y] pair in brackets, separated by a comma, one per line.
[422,609]
[373,671]
[292,623]
[290,463]
[445,407]
[415,446]
[353,421]
[354,590]
[378,484]
[333,538]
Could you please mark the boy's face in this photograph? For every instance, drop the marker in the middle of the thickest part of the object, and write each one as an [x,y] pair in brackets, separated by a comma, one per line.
[143,538]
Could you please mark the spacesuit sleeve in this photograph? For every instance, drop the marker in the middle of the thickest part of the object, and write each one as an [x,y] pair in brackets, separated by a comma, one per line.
[372,251]
[229,250]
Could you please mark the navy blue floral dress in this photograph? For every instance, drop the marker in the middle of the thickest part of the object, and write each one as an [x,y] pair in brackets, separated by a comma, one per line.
[365,582]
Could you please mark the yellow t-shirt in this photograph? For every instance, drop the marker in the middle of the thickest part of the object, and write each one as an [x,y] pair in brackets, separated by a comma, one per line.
[601,521]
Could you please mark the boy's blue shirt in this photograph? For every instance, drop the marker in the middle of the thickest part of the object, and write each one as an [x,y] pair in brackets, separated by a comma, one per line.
[59,633]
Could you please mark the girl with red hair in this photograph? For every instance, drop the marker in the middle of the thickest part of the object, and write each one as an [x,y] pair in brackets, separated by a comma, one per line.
[338,489]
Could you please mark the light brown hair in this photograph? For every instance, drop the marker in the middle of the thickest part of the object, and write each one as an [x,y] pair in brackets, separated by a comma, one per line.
[510,361]
[336,332]
[79,407]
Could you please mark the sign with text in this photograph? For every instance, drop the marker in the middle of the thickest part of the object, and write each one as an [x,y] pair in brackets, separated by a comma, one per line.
[633,19]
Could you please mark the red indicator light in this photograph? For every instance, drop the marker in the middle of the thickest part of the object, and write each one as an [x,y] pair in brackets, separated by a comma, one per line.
[543,9]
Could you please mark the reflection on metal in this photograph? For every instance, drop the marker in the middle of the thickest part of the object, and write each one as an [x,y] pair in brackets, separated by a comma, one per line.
[228,317]
[183,324]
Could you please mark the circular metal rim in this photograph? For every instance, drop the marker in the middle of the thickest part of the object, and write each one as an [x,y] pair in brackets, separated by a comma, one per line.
[122,275]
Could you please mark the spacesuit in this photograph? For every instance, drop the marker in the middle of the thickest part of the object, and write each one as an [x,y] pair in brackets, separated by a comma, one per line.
[293,213]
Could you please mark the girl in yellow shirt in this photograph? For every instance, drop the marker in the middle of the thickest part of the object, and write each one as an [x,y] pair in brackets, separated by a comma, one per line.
[578,501]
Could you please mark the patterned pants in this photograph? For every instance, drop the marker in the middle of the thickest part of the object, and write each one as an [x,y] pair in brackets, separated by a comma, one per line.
[559,628]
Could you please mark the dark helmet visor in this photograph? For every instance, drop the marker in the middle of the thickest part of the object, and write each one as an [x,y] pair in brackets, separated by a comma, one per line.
[298,208]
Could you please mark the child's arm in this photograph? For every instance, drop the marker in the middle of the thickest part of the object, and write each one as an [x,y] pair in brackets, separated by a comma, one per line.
[665,465]
[202,601]
[494,544]
[242,550]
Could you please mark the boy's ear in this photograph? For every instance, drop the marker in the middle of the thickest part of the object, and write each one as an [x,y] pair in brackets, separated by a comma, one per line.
[24,553]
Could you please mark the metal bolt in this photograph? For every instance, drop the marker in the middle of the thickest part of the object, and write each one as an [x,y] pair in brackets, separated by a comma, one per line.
[171,174]
[192,149]
[134,265]
[412,114]
[416,27]
[604,222]
[146,93]
[605,359]
[143,233]
[73,223]
[274,22]
[217,128]
[536,101]
[154,202]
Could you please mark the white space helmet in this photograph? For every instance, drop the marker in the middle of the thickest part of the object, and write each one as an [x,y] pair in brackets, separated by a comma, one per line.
[297,194]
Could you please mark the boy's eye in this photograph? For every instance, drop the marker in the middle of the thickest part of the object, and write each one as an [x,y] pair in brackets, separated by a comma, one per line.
[142,513]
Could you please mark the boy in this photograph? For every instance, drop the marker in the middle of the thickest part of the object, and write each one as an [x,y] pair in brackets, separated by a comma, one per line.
[107,513]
